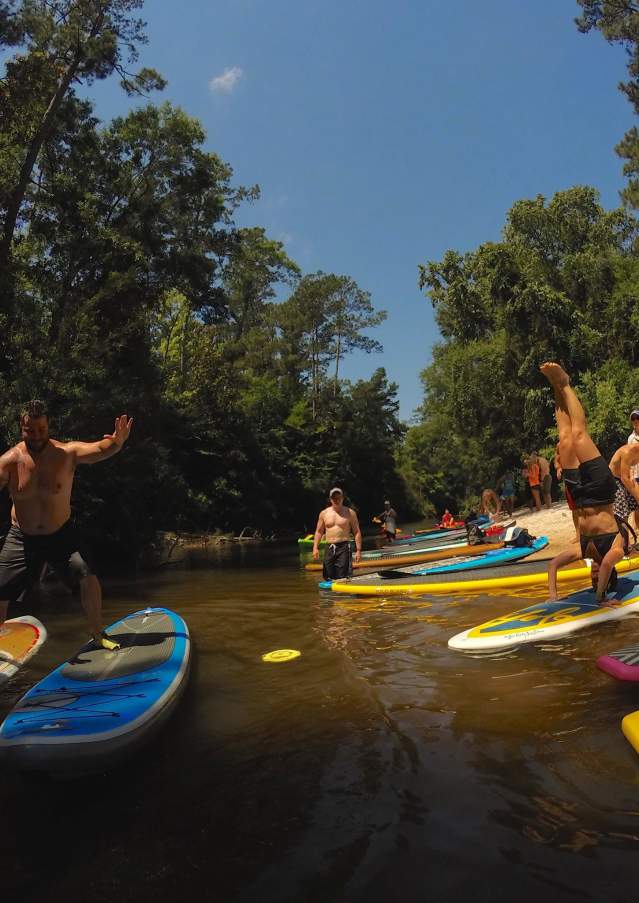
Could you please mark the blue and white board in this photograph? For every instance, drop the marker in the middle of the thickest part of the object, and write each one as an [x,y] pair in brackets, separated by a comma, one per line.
[495,557]
[550,620]
[100,706]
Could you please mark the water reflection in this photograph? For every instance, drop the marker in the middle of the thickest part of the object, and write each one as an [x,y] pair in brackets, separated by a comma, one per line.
[379,763]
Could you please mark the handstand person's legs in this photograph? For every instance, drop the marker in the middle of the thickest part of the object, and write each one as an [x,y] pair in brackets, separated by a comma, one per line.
[567,453]
[583,446]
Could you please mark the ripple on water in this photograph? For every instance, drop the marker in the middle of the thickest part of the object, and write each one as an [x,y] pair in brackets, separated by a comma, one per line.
[378,759]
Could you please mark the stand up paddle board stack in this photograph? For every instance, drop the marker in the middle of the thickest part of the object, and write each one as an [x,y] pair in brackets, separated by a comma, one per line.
[20,638]
[100,706]
[443,578]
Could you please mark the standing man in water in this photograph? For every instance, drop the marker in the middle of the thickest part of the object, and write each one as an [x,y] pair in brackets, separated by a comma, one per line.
[388,518]
[39,472]
[337,521]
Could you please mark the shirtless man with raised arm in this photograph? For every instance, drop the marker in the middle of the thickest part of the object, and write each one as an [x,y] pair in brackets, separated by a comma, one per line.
[337,521]
[591,485]
[39,472]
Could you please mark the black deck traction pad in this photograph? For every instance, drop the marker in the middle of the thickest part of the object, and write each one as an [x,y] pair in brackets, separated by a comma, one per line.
[629,656]
[146,642]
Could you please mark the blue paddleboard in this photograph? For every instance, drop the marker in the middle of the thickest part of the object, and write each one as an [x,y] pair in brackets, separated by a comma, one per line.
[490,559]
[100,706]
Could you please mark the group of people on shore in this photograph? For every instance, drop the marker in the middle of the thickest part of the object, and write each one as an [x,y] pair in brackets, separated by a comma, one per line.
[536,475]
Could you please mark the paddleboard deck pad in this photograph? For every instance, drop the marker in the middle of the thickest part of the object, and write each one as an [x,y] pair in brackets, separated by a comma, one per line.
[550,620]
[623,664]
[100,706]
[20,639]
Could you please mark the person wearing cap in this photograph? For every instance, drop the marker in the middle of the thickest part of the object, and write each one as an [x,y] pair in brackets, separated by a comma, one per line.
[337,521]
[388,518]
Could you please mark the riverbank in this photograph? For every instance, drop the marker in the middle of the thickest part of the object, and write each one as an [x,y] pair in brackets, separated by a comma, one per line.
[555,522]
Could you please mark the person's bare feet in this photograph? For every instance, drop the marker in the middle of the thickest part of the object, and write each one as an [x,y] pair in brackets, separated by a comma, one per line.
[555,374]
[609,603]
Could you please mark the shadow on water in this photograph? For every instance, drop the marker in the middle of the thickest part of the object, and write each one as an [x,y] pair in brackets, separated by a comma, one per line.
[379,764]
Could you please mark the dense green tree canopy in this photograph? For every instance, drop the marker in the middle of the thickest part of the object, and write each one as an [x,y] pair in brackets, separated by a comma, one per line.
[562,284]
[127,286]
[618,21]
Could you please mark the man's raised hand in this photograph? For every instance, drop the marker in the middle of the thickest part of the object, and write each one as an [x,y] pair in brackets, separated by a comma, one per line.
[122,430]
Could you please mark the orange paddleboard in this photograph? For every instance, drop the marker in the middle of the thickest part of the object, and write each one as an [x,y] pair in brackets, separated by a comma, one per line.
[20,638]
[393,561]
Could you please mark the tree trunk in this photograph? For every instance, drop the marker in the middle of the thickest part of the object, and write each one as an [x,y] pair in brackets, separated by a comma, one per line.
[17,195]
[338,352]
[42,133]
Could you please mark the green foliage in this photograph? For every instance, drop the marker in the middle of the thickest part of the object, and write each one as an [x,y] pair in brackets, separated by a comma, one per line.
[618,21]
[561,285]
[131,289]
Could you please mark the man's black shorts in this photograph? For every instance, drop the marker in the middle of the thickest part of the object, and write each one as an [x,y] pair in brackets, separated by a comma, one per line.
[23,556]
[591,484]
[338,561]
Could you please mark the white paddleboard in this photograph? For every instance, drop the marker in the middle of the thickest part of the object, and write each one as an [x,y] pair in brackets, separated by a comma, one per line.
[550,620]
[20,638]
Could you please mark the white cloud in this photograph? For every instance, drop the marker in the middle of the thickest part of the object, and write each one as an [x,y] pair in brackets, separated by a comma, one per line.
[224,83]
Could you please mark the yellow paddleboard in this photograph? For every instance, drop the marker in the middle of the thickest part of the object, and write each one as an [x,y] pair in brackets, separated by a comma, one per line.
[476,586]
[630,728]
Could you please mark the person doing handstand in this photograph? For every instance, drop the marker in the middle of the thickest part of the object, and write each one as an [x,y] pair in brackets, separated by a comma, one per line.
[592,487]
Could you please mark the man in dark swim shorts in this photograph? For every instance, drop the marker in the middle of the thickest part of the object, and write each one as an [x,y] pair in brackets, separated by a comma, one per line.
[592,487]
[337,521]
[39,472]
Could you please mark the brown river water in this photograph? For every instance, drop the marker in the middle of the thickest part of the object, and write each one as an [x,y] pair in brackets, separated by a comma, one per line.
[378,765]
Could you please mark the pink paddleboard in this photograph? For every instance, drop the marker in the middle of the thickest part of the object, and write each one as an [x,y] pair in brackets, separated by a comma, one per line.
[623,665]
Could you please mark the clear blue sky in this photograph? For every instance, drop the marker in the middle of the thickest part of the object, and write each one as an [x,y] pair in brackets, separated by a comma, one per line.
[382,134]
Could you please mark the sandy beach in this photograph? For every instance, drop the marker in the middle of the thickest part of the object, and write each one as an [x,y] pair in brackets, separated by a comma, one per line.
[555,523]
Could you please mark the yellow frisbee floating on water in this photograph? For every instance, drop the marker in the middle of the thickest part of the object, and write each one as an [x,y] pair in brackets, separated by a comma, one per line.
[281,655]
